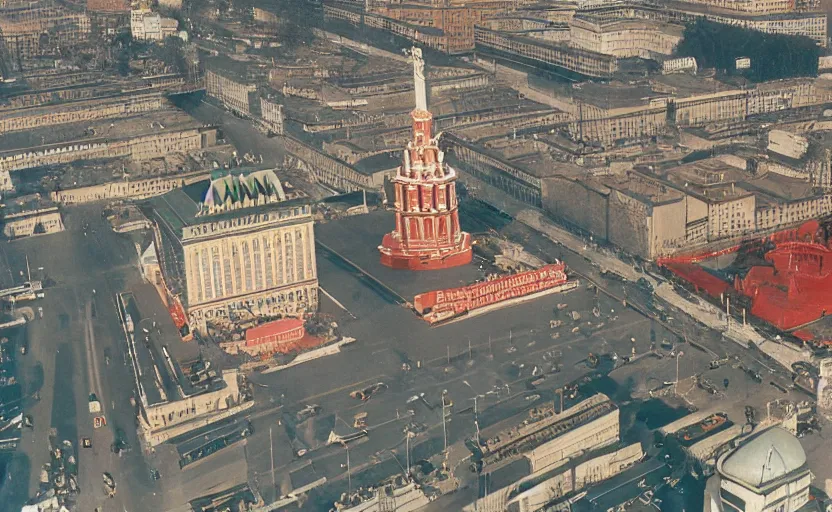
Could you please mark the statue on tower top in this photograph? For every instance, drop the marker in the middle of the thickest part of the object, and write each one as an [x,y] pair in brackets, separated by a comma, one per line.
[419,78]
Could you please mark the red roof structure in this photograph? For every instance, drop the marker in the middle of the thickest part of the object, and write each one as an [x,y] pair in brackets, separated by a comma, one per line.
[281,331]
[699,278]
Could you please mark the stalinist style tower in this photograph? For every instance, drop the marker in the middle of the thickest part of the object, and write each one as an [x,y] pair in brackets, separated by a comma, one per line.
[427,235]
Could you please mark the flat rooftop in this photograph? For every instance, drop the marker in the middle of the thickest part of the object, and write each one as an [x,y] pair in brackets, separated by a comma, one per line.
[94,172]
[616,94]
[380,162]
[645,190]
[708,9]
[627,23]
[716,180]
[607,95]
[167,120]
[24,204]
[683,85]
[778,188]
[243,71]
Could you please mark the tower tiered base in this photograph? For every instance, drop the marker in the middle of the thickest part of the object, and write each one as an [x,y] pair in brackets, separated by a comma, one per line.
[393,257]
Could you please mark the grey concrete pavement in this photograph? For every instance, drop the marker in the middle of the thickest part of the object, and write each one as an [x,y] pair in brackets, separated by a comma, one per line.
[68,345]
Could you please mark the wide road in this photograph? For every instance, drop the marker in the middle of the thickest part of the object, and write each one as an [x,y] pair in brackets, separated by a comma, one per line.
[505,347]
[78,348]
[237,131]
[247,139]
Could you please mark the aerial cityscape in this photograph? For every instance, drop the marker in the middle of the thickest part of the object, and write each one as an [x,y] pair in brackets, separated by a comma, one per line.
[415,255]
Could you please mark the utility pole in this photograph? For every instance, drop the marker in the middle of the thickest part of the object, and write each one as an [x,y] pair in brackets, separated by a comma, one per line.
[476,421]
[271,451]
[444,422]
[349,471]
[676,382]
[407,450]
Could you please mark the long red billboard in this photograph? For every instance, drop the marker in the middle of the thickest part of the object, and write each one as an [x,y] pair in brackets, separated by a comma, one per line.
[439,305]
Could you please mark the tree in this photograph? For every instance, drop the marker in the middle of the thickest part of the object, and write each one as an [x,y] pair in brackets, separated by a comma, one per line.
[296,23]
[172,53]
[773,56]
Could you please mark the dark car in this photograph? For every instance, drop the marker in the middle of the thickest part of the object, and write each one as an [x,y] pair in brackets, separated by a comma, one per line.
[120,443]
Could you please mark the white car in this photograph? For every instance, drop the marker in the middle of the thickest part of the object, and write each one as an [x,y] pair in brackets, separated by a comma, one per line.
[415,398]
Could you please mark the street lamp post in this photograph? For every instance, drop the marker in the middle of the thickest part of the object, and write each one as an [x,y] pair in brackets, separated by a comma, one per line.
[444,427]
[476,412]
[349,471]
[407,452]
[676,382]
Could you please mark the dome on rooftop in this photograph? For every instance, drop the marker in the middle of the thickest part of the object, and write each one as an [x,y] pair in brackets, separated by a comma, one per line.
[767,457]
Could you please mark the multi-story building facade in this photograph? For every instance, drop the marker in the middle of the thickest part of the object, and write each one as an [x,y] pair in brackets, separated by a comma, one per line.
[759,7]
[738,105]
[447,27]
[78,111]
[126,189]
[161,422]
[624,38]
[151,26]
[31,216]
[538,52]
[271,114]
[455,22]
[138,147]
[329,170]
[809,24]
[235,248]
[33,31]
[108,6]
[229,83]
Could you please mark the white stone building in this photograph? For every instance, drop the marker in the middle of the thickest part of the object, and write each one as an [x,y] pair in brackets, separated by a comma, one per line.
[151,26]
[768,473]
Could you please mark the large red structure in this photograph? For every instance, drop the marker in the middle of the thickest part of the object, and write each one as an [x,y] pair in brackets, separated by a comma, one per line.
[794,288]
[797,288]
[442,305]
[427,235]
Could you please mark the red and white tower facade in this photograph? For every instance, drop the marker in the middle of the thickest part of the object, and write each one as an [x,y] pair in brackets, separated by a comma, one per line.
[427,235]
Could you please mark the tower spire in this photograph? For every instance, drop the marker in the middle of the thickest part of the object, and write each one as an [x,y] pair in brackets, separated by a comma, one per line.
[419,78]
[427,234]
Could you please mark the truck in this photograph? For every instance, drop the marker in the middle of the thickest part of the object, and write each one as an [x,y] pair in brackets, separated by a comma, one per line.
[95,405]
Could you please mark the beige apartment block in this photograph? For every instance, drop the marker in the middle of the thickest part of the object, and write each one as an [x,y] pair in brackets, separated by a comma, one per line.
[137,148]
[78,111]
[126,189]
[329,170]
[809,24]
[749,6]
[241,247]
[28,222]
[271,113]
[161,422]
[22,30]
[540,52]
[624,38]
[233,93]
